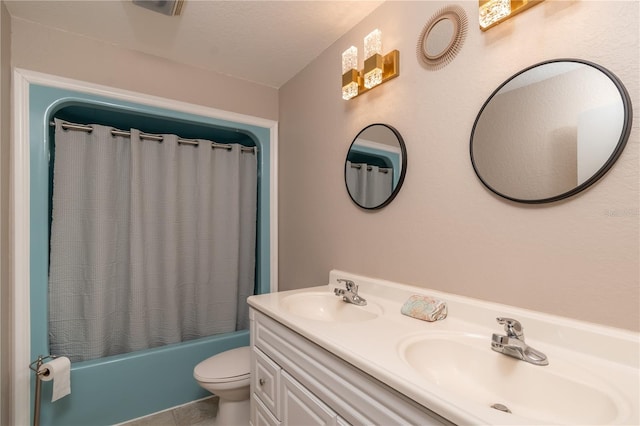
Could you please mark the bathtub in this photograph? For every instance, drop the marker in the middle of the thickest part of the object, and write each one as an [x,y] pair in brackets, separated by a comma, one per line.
[119,388]
[122,387]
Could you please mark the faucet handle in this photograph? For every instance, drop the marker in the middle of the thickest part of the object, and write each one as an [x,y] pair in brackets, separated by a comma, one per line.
[512,327]
[350,285]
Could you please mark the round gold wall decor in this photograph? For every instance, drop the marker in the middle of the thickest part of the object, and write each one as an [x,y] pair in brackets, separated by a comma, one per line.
[442,37]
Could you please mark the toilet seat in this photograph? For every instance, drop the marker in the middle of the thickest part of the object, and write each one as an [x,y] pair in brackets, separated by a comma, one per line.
[229,366]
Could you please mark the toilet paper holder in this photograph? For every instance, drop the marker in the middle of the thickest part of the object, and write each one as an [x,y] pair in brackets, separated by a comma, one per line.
[35,366]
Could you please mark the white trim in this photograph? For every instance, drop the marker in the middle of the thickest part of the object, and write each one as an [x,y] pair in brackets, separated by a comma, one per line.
[34,77]
[20,188]
[20,248]
[273,227]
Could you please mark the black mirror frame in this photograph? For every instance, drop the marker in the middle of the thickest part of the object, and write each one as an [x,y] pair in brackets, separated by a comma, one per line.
[403,171]
[624,136]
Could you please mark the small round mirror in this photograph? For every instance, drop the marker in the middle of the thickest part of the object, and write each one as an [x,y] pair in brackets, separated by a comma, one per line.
[442,37]
[375,166]
[439,38]
[550,131]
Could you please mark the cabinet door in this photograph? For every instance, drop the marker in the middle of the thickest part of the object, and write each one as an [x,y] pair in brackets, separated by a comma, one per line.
[343,422]
[301,407]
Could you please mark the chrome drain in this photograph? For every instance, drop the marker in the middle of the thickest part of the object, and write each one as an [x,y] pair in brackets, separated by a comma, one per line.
[501,407]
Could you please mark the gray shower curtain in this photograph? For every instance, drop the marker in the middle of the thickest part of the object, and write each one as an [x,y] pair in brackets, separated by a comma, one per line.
[152,242]
[368,185]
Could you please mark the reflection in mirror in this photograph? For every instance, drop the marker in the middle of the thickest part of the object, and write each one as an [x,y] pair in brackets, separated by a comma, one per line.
[375,166]
[550,131]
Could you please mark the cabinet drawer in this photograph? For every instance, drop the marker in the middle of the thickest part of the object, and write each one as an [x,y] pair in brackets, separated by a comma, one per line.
[266,381]
[261,415]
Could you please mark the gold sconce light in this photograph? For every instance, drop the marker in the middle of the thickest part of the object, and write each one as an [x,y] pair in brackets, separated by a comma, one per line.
[492,12]
[377,69]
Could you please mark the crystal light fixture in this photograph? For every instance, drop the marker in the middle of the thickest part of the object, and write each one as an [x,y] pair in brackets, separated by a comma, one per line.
[350,73]
[492,12]
[378,68]
[373,61]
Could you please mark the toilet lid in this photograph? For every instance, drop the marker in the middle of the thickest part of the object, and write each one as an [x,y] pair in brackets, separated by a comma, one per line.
[234,363]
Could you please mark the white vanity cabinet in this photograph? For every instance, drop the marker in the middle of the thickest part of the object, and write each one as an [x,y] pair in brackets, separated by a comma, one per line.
[301,407]
[296,406]
[296,382]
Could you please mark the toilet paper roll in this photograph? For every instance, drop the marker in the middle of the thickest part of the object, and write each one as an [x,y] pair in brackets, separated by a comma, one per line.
[58,370]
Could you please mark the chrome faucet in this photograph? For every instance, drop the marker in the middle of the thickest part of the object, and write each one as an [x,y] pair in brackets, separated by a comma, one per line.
[349,293]
[513,343]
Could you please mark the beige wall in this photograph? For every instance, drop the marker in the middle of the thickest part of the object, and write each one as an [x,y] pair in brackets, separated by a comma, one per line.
[39,48]
[5,288]
[577,258]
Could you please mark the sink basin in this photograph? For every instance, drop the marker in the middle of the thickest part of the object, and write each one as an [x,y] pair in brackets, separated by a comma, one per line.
[560,393]
[323,306]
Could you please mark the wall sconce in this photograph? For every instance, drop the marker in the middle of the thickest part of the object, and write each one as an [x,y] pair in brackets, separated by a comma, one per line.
[492,12]
[378,69]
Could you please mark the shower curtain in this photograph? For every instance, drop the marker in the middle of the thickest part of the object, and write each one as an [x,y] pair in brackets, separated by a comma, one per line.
[152,243]
[369,185]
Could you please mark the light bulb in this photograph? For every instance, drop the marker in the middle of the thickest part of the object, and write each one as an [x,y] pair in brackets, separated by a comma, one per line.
[350,73]
[373,44]
[350,91]
[493,11]
[350,59]
[373,59]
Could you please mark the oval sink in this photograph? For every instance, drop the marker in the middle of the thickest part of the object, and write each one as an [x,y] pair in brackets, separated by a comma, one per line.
[322,306]
[559,393]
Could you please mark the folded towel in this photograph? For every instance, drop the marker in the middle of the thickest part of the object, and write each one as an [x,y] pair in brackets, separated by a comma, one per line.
[424,308]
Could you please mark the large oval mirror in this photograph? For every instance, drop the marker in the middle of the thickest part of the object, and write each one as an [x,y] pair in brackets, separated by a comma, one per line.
[375,166]
[550,131]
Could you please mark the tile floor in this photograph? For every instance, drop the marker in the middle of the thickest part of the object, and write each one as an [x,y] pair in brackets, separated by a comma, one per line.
[199,413]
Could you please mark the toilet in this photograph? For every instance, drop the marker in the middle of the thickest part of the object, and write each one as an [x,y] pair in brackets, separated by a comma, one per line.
[227,375]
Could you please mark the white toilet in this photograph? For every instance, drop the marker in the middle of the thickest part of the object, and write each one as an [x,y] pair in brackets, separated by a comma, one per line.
[227,375]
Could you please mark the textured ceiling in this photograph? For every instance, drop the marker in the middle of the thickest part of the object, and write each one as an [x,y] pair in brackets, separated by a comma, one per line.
[267,42]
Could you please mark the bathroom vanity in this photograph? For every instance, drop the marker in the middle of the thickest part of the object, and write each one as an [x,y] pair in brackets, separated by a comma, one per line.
[296,382]
[318,360]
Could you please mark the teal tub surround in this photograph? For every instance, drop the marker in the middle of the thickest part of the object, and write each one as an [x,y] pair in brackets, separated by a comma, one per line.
[376,157]
[115,389]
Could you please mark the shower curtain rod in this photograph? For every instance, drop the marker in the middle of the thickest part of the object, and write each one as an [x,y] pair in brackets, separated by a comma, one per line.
[117,132]
[369,168]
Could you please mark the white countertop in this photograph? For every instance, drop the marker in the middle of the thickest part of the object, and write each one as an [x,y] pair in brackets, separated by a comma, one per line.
[609,356]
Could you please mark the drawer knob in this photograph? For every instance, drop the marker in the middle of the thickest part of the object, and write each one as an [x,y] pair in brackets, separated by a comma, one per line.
[261,382]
